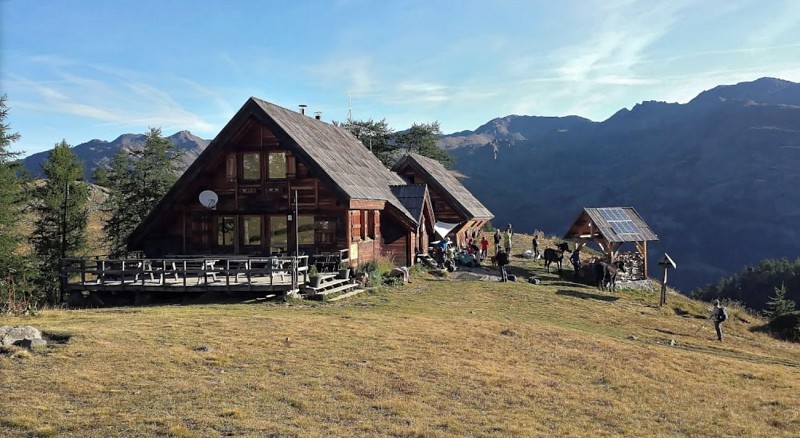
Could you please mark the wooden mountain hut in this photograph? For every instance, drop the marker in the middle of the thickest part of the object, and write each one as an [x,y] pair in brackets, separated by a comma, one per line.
[272,171]
[452,203]
[611,227]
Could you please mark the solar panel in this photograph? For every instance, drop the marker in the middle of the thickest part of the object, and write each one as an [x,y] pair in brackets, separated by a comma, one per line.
[619,221]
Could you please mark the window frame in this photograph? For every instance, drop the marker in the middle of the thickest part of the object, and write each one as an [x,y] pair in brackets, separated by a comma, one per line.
[245,169]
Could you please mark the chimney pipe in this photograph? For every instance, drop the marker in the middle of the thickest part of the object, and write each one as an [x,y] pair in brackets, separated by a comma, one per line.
[318,115]
[302,108]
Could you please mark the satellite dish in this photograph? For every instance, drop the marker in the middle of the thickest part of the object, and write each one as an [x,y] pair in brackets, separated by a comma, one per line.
[209,199]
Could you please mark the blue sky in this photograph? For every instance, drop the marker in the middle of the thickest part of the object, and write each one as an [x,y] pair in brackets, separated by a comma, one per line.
[81,69]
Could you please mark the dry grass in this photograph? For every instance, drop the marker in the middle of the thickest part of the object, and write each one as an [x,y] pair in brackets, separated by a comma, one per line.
[437,358]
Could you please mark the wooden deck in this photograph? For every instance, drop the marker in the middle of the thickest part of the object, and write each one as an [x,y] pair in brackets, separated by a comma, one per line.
[197,274]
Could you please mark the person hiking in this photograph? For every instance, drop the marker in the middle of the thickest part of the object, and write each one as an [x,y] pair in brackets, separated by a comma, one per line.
[718,315]
[502,261]
[497,238]
[507,240]
[535,244]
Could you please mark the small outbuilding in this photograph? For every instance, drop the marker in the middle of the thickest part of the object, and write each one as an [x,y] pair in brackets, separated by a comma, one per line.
[611,227]
[458,211]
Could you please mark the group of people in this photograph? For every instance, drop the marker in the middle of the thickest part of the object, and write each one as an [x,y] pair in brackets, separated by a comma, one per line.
[479,250]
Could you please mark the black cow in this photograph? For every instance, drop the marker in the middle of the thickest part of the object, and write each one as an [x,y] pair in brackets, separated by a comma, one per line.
[606,274]
[555,255]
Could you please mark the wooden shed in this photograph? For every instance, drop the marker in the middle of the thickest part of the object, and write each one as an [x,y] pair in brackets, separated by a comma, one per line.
[269,162]
[451,201]
[611,227]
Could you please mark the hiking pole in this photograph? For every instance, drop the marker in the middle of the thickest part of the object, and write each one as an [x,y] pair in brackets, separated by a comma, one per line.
[702,324]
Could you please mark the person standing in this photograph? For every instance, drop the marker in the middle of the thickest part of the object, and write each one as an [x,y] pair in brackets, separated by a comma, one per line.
[497,238]
[507,239]
[535,246]
[502,261]
[484,248]
[575,258]
[718,315]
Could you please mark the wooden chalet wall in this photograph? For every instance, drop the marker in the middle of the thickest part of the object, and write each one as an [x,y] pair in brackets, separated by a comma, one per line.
[396,242]
[256,178]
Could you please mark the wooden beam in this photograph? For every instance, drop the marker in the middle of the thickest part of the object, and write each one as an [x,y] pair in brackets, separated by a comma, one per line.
[366,204]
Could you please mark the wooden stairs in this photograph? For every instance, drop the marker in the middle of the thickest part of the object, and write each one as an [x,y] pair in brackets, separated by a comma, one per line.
[331,288]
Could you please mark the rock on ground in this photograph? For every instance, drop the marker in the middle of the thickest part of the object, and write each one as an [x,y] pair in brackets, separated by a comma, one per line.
[23,336]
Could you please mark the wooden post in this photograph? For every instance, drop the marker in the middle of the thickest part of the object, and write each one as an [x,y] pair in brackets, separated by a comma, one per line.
[666,263]
[644,256]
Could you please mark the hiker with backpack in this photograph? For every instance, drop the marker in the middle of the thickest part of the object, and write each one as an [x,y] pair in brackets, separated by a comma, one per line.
[718,315]
[502,261]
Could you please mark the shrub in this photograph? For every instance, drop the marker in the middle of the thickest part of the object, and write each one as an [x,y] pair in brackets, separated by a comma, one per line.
[786,326]
[377,270]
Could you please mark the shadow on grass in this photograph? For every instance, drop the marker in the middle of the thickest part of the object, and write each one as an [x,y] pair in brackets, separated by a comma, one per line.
[686,314]
[585,295]
[568,284]
[668,332]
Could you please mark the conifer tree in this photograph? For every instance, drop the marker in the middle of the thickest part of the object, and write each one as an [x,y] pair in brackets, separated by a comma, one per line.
[421,138]
[376,136]
[60,203]
[14,269]
[137,182]
[118,180]
[779,304]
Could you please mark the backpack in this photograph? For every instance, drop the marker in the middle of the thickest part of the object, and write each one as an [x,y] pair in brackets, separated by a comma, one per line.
[722,315]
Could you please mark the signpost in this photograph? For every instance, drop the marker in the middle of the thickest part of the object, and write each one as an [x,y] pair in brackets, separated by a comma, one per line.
[666,263]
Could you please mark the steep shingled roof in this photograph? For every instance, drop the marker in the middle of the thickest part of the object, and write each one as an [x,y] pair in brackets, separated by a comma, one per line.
[339,154]
[437,176]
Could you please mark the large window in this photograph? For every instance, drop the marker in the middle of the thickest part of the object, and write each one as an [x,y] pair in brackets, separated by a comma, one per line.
[305,230]
[251,230]
[225,226]
[277,165]
[230,167]
[277,234]
[251,166]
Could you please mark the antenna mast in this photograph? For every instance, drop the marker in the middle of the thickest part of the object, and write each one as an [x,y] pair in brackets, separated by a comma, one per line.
[349,109]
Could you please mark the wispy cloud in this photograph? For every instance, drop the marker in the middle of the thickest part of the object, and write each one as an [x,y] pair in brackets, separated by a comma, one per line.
[354,73]
[787,22]
[619,44]
[108,95]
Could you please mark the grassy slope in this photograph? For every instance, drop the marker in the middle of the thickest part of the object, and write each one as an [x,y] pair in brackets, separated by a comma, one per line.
[435,358]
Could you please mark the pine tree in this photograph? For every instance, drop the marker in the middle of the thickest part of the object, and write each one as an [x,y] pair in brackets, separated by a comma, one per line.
[779,304]
[119,180]
[60,203]
[422,138]
[15,269]
[375,136]
[137,182]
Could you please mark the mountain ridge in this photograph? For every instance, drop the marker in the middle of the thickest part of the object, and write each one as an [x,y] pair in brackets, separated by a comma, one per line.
[95,153]
[714,177]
